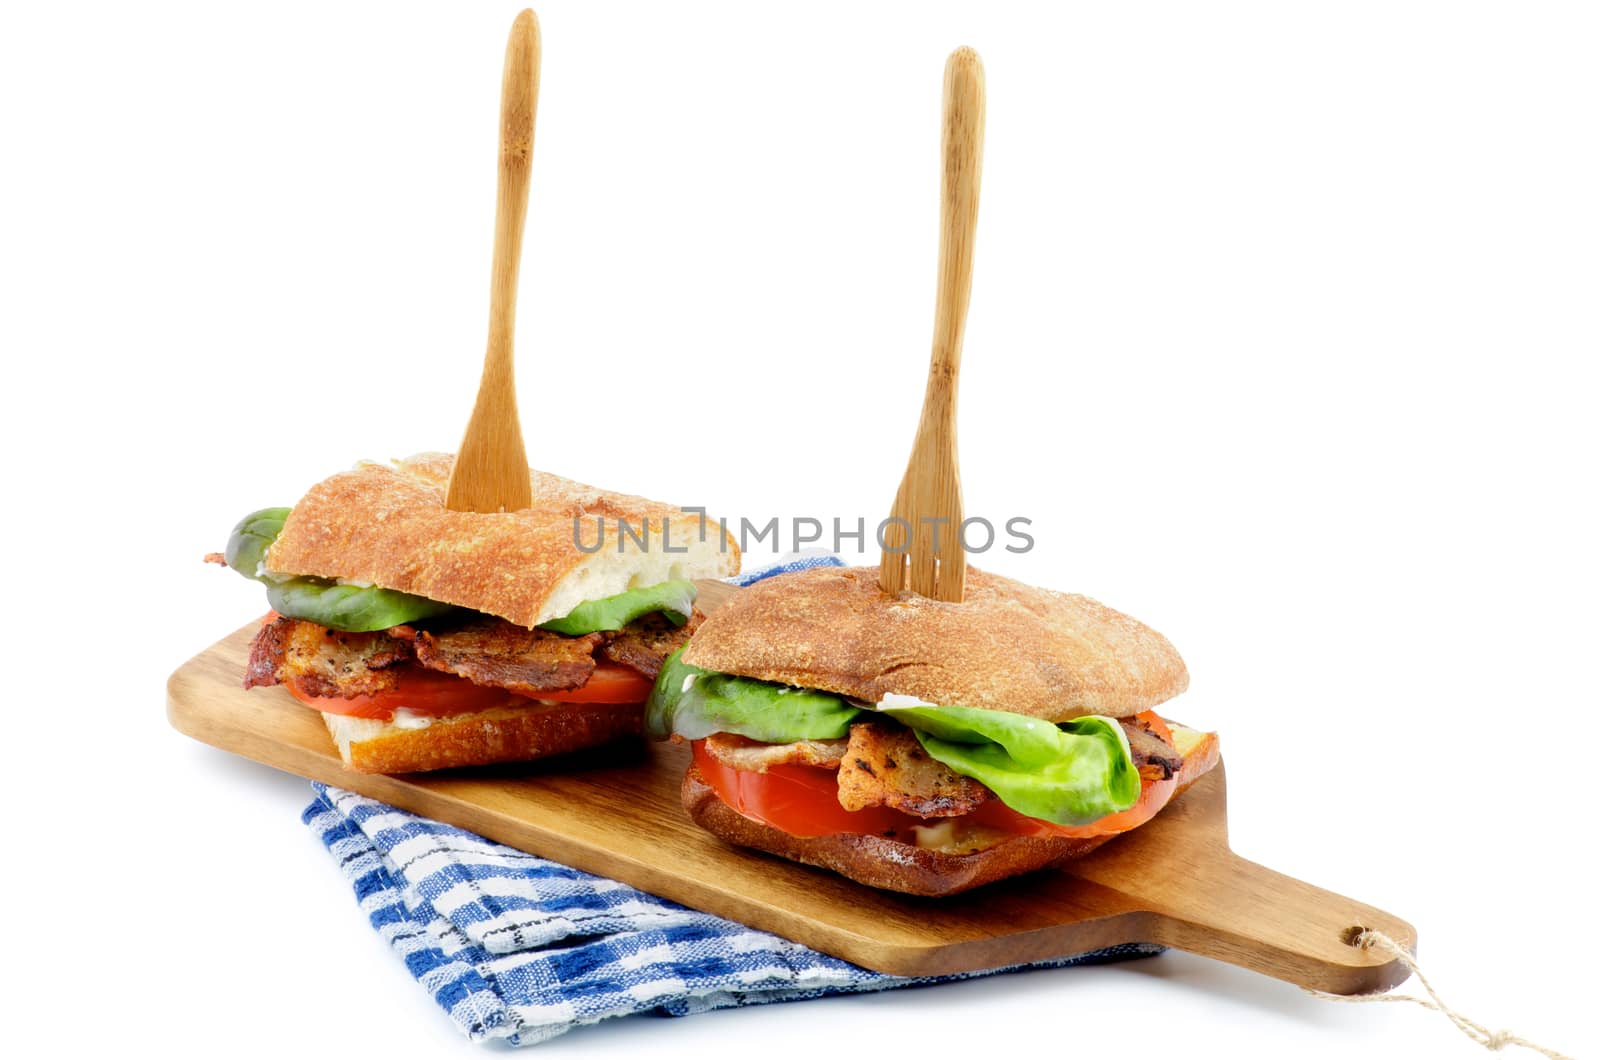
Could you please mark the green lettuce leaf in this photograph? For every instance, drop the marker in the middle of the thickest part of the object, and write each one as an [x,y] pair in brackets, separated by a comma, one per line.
[696,703]
[251,537]
[348,608]
[674,600]
[1070,774]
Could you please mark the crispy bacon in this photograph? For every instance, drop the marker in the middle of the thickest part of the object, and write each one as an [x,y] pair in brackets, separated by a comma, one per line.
[324,662]
[644,645]
[885,765]
[495,652]
[1155,758]
[751,756]
[266,652]
[490,651]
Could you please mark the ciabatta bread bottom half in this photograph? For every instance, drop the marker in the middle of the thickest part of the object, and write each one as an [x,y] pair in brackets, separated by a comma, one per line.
[888,864]
[414,743]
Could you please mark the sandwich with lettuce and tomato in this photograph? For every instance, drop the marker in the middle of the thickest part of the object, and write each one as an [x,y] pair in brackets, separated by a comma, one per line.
[430,638]
[919,745]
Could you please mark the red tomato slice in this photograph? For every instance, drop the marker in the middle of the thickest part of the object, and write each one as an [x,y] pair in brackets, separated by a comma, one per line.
[804,801]
[436,694]
[610,683]
[800,800]
[1152,797]
[1156,722]
[420,690]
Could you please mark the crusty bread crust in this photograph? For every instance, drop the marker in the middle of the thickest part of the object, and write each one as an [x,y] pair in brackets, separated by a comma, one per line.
[895,866]
[1006,646]
[388,526]
[500,734]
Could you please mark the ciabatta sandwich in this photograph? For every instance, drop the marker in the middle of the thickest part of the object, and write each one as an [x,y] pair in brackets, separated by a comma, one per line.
[431,638]
[924,746]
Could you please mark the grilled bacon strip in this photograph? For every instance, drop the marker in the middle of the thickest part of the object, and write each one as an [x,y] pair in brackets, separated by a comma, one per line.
[1155,758]
[490,651]
[754,757]
[324,662]
[644,645]
[885,765]
[525,661]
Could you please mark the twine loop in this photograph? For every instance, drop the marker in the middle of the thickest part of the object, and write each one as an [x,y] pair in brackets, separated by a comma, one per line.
[1494,1041]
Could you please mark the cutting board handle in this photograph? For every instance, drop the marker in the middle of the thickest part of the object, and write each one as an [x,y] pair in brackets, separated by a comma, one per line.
[1184,887]
[1237,911]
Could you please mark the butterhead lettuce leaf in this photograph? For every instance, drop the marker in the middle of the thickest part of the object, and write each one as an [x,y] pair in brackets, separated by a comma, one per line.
[695,703]
[251,537]
[349,608]
[1069,774]
[674,600]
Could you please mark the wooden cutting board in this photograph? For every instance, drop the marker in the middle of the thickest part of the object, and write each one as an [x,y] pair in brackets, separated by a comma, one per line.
[1174,881]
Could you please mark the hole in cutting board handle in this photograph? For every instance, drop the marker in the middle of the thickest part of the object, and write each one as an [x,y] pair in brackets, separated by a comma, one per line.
[1351,936]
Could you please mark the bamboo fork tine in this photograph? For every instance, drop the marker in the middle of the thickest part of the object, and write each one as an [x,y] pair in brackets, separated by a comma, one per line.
[491,468]
[928,503]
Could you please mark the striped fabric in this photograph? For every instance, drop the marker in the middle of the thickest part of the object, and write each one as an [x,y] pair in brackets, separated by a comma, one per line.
[517,949]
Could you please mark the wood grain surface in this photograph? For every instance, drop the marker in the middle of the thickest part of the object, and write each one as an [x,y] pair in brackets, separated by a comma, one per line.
[1173,881]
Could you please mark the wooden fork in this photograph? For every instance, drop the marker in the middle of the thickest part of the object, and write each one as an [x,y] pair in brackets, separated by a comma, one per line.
[927,508]
[491,469]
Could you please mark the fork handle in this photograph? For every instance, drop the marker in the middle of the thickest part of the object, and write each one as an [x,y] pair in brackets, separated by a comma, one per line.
[962,174]
[491,469]
[519,104]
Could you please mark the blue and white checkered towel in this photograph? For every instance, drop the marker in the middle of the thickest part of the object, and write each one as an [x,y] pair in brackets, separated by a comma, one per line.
[519,949]
[793,562]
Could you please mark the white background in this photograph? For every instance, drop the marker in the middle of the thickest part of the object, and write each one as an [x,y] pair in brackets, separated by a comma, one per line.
[1283,333]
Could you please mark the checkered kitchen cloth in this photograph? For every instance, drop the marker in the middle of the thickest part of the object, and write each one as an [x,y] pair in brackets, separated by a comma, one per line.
[519,949]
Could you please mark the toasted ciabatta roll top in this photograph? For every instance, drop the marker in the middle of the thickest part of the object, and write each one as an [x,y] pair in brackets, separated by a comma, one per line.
[388,526]
[1006,646]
